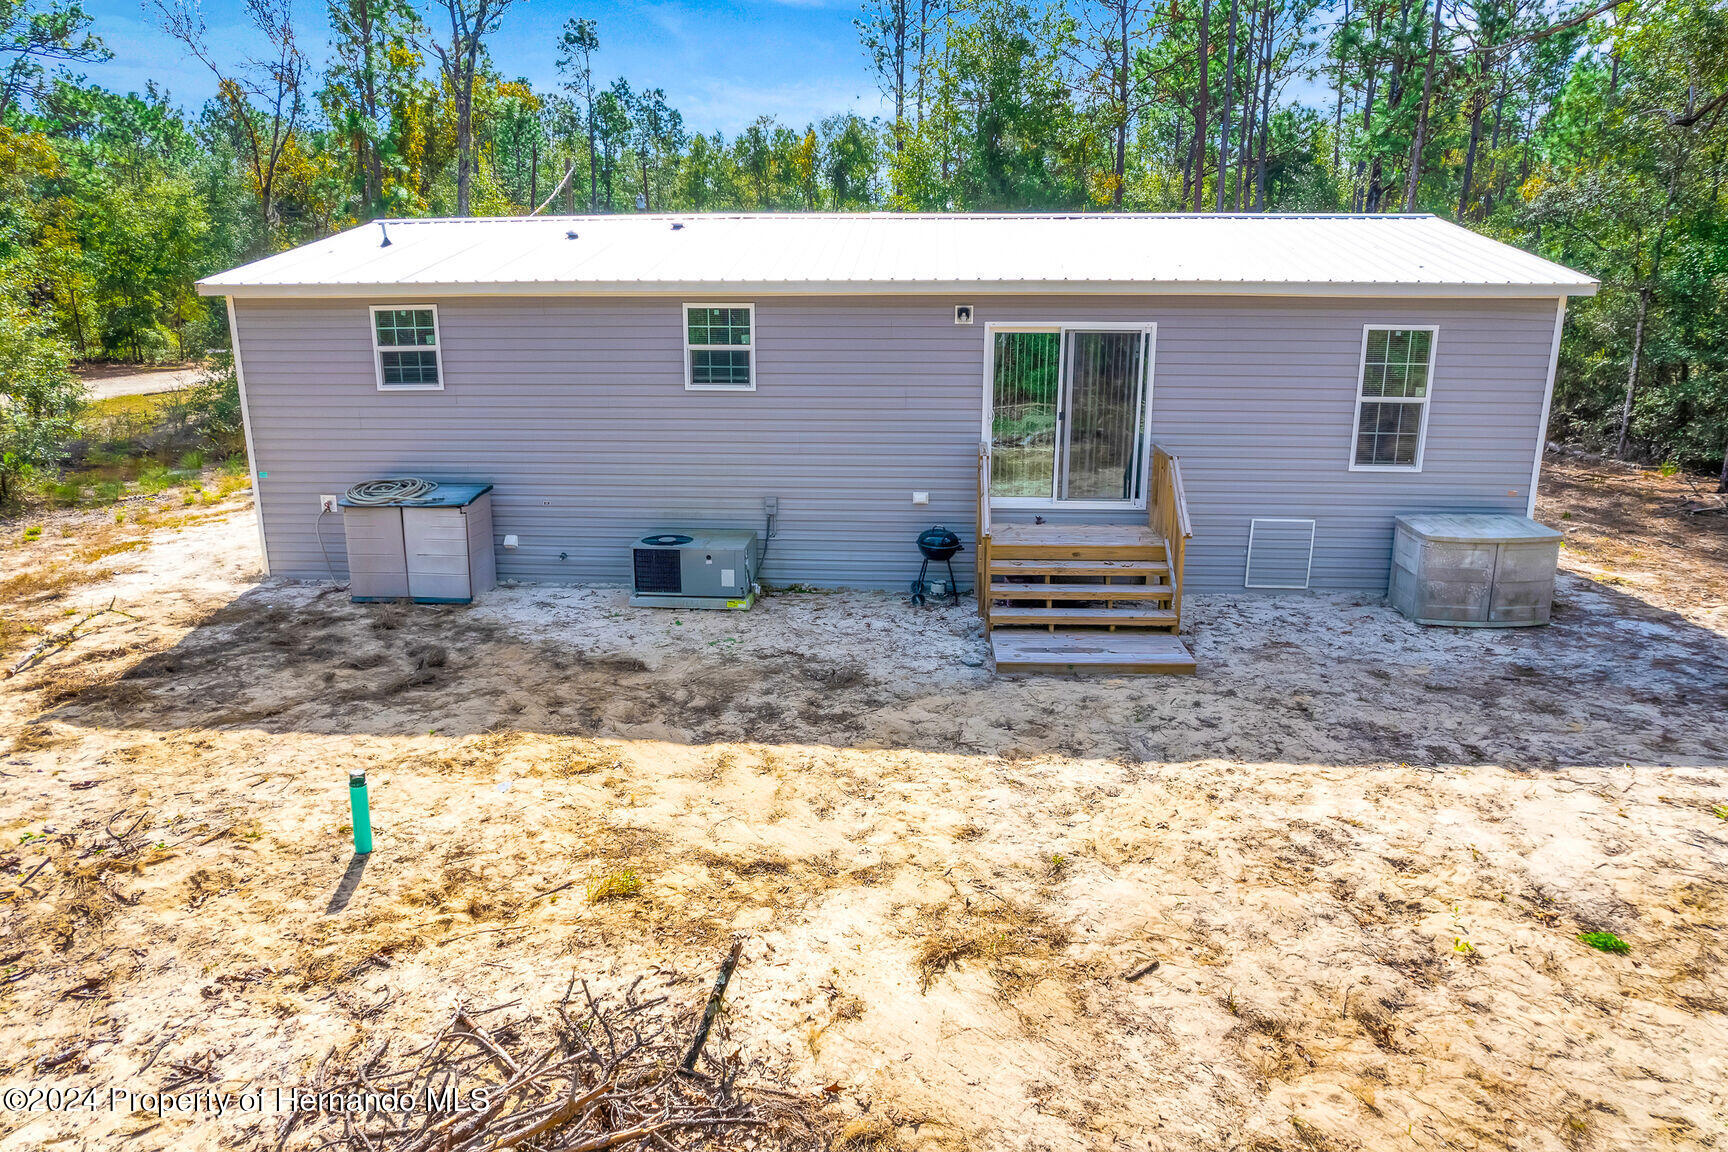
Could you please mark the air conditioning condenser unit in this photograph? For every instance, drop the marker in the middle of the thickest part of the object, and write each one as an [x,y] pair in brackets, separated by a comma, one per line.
[695,569]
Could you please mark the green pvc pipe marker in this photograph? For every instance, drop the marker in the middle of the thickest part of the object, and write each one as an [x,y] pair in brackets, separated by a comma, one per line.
[362,808]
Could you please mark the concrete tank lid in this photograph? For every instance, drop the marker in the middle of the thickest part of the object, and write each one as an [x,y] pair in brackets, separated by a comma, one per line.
[1476,528]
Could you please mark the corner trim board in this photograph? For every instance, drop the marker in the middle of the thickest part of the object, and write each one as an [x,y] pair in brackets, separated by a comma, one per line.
[246,426]
[1547,404]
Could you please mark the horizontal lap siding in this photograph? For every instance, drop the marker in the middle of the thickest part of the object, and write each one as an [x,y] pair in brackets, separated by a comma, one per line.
[577,412]
[575,409]
[1259,404]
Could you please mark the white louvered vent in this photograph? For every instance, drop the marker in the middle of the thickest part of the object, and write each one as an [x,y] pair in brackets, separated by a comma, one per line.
[1280,553]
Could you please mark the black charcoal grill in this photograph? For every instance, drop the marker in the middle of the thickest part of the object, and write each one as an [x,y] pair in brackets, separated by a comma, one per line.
[937,544]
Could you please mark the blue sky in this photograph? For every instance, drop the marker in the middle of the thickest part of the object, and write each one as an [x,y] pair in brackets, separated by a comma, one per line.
[721,64]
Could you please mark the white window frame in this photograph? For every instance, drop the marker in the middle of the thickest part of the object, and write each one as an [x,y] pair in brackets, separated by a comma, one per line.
[689,349]
[378,349]
[1149,346]
[1362,380]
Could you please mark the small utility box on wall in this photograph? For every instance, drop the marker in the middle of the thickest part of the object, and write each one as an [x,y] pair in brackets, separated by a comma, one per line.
[434,550]
[1474,570]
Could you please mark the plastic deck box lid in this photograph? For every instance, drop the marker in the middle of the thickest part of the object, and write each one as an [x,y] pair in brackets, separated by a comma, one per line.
[443,496]
[1476,528]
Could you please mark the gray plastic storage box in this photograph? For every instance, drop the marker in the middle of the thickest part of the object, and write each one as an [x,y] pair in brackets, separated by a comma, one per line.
[1475,570]
[435,550]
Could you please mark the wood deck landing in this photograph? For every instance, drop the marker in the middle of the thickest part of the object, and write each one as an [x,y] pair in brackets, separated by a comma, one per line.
[1079,535]
[1090,653]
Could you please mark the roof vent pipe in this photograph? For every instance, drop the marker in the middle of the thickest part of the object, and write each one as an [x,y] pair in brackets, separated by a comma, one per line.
[385,232]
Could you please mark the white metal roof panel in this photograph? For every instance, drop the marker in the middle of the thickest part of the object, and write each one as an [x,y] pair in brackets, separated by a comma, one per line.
[889,252]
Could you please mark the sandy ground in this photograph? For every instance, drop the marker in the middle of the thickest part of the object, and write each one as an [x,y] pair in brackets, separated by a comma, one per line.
[1360,851]
[106,381]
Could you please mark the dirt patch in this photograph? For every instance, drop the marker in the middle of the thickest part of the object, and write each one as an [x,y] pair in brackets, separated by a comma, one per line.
[1360,852]
[1662,538]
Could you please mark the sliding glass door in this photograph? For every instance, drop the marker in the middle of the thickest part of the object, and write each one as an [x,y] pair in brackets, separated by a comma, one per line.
[1068,414]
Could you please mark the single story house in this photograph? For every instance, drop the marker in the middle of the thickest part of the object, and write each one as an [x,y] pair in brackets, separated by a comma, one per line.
[1293,381]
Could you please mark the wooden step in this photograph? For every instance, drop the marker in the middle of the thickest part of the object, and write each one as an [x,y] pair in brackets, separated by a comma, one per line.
[1095,653]
[1151,569]
[1121,617]
[1003,590]
[1075,542]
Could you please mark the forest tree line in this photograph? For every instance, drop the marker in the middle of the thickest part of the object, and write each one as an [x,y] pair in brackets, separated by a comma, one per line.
[1595,134]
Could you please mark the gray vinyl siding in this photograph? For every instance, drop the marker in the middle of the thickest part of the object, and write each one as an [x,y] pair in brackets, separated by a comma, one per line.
[575,409]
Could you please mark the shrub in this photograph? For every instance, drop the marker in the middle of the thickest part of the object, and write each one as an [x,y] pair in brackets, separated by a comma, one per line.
[153,477]
[205,418]
[192,461]
[1605,942]
[614,886]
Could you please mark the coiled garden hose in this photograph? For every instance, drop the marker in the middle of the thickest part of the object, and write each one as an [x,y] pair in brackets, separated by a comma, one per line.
[396,490]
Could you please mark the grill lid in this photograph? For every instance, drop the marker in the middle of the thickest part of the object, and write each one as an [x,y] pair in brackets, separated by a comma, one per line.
[938,543]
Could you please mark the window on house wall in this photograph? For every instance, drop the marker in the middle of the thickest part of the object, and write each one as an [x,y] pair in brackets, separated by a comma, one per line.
[719,347]
[405,347]
[1392,398]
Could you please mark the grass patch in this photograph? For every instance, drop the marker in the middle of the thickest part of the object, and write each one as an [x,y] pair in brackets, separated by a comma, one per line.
[101,551]
[867,1134]
[154,477]
[146,406]
[1018,944]
[585,757]
[34,532]
[46,583]
[1605,942]
[614,886]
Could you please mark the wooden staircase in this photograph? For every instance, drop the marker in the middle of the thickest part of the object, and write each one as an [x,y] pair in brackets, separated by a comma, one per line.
[1098,598]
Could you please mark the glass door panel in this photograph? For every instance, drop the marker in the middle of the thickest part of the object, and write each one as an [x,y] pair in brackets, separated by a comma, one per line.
[1025,395]
[1102,446]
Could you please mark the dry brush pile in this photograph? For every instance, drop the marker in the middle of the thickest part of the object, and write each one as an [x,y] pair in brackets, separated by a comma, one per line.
[591,1074]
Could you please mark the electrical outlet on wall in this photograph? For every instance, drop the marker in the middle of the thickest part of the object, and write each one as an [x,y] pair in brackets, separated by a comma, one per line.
[327,504]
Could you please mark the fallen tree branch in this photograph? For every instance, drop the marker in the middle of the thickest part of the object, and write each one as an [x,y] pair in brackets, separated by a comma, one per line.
[60,640]
[688,1064]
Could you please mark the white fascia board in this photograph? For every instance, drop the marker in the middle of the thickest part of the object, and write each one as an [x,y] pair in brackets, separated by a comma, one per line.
[215,287]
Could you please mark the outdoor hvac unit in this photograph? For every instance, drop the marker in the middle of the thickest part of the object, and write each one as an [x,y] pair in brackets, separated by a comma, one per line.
[695,570]
[436,549]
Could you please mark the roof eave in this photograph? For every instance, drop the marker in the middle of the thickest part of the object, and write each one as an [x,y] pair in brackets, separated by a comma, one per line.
[214,287]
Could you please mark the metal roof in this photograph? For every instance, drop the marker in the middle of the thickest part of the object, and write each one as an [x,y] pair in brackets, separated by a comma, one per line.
[878,253]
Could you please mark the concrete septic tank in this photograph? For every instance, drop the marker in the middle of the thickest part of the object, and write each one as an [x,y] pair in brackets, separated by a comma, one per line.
[1473,570]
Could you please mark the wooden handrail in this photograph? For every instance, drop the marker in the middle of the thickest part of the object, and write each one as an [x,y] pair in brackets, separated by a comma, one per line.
[981,552]
[1168,516]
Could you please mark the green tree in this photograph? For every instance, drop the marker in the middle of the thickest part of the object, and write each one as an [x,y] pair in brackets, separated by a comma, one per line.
[34,34]
[39,397]
[576,47]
